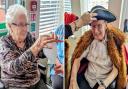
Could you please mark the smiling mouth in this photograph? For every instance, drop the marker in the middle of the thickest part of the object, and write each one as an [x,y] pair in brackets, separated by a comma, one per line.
[97,34]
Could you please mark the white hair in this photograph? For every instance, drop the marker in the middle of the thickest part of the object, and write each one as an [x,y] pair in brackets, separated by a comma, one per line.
[13,11]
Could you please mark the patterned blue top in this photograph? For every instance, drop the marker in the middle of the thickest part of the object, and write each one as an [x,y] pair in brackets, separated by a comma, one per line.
[60,47]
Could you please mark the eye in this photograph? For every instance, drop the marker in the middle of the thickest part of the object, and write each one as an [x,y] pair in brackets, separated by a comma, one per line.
[23,24]
[99,26]
[94,26]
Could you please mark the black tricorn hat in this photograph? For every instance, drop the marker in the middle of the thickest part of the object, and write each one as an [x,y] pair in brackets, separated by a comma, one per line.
[103,14]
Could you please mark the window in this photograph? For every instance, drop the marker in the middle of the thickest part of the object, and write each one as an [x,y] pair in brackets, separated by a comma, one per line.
[86,5]
[67,5]
[93,3]
[49,15]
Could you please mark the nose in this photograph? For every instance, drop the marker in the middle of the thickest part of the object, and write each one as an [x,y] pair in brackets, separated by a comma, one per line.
[95,30]
[25,28]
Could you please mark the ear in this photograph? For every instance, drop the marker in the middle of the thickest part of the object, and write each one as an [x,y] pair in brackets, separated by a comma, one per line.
[106,24]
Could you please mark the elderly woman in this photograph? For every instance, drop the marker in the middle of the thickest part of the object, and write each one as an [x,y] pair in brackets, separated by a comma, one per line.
[19,52]
[101,49]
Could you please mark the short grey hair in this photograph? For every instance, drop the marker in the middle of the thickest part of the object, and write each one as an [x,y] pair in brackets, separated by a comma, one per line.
[13,11]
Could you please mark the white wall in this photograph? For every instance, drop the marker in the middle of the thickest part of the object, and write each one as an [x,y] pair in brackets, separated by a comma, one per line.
[76,9]
[124,13]
[115,7]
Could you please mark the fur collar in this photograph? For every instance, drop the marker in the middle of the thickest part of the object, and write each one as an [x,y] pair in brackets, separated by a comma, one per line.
[115,40]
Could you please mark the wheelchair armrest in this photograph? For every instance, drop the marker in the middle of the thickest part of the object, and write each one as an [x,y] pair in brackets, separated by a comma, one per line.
[42,72]
[2,85]
[113,85]
[42,67]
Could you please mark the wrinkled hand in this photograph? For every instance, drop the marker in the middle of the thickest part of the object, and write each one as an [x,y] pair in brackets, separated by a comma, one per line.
[88,17]
[73,84]
[85,19]
[42,41]
[59,69]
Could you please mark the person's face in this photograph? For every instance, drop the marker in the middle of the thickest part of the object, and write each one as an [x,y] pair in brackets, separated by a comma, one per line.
[98,29]
[19,27]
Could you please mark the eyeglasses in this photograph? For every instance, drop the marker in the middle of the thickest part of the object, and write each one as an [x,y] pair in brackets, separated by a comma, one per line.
[21,25]
[96,26]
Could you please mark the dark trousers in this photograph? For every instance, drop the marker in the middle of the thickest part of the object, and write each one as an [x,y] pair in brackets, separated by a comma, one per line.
[57,82]
[83,84]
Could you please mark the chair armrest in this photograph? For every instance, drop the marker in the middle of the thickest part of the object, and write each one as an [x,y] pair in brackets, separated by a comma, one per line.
[41,66]
[2,85]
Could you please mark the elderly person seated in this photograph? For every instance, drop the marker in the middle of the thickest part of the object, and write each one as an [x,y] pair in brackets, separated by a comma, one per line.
[70,29]
[101,48]
[20,52]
